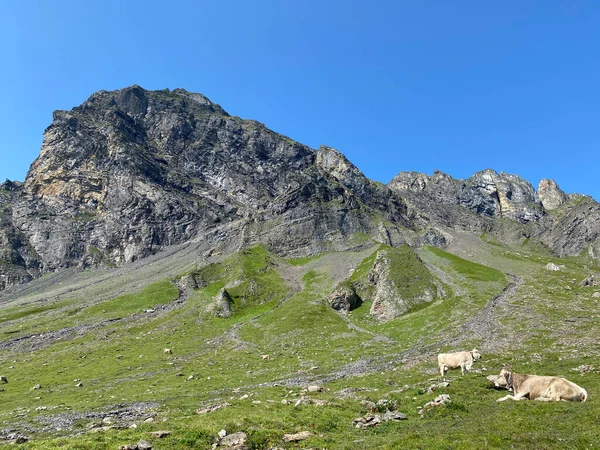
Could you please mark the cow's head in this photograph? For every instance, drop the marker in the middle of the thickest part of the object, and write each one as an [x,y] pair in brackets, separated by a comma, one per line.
[505,379]
[497,382]
[475,354]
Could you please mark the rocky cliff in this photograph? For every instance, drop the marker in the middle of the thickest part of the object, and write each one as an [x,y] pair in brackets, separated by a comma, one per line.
[132,171]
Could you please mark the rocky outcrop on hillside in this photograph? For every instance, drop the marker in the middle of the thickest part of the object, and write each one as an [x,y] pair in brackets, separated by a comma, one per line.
[397,282]
[344,298]
[572,228]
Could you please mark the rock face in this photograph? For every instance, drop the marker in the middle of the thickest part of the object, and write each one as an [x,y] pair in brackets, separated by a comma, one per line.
[486,193]
[550,194]
[19,262]
[130,172]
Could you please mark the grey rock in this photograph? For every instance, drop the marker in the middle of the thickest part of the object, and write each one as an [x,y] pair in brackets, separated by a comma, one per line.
[297,437]
[344,298]
[144,445]
[389,275]
[550,194]
[221,305]
[233,439]
[592,280]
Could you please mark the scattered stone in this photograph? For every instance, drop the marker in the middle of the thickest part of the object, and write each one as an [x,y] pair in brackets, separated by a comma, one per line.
[3,379]
[212,408]
[393,415]
[296,437]
[190,378]
[37,386]
[80,384]
[149,420]
[370,420]
[583,369]
[160,434]
[108,421]
[435,387]
[16,438]
[222,434]
[438,401]
[144,445]
[368,405]
[592,280]
[234,439]
[552,267]
[304,400]
[596,295]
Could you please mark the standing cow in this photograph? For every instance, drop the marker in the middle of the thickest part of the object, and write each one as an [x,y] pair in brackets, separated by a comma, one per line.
[464,360]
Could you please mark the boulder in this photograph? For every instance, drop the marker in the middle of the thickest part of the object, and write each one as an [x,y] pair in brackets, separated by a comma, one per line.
[344,298]
[592,280]
[221,305]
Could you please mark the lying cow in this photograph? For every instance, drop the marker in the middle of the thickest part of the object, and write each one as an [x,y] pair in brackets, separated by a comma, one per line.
[464,360]
[536,387]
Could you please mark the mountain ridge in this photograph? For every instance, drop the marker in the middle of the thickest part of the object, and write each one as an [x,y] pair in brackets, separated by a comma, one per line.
[130,172]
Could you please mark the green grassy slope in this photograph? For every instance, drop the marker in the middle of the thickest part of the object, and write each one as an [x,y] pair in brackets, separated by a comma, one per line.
[116,348]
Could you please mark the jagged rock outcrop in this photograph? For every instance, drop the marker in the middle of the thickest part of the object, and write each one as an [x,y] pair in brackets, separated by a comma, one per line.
[19,262]
[572,228]
[399,282]
[221,305]
[550,194]
[485,193]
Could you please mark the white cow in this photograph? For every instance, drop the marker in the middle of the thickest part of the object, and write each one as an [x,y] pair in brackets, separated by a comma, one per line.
[464,360]
[543,388]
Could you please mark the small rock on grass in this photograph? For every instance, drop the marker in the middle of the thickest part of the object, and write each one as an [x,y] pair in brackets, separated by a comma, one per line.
[296,437]
[231,440]
[160,434]
[144,445]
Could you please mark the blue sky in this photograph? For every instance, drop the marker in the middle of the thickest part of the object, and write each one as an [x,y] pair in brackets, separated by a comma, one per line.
[395,85]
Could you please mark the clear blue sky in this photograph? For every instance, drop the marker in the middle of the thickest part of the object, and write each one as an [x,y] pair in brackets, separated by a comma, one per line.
[458,86]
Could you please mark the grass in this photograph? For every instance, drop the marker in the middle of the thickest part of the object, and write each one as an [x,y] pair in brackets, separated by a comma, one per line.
[307,342]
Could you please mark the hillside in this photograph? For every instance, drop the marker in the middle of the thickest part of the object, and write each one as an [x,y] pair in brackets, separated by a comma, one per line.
[169,267]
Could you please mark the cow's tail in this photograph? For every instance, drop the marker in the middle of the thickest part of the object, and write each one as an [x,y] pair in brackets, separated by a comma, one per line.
[584,395]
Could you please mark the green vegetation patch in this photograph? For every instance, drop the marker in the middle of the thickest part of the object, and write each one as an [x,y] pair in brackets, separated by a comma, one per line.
[250,277]
[154,295]
[471,270]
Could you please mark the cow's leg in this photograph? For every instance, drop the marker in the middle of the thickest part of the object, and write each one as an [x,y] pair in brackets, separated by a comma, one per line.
[519,396]
[442,368]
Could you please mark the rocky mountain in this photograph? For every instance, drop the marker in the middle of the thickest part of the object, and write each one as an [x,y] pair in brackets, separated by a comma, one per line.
[131,172]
